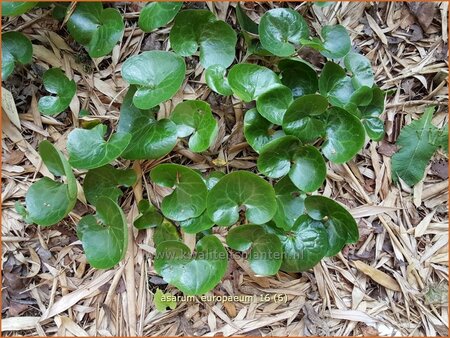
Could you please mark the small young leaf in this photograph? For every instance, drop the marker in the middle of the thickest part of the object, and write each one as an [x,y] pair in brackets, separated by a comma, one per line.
[188,199]
[339,223]
[416,149]
[344,136]
[245,22]
[369,114]
[192,275]
[258,131]
[273,103]
[57,83]
[166,231]
[290,203]
[281,29]
[265,253]
[14,8]
[104,182]
[157,14]
[16,48]
[298,75]
[195,118]
[374,128]
[149,138]
[163,76]
[161,303]
[336,42]
[301,118]
[149,218]
[241,189]
[215,38]
[48,201]
[248,81]
[361,69]
[88,149]
[216,80]
[104,235]
[97,29]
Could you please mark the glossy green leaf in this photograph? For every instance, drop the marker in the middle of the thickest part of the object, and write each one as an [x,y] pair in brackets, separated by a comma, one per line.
[336,42]
[369,114]
[104,182]
[298,75]
[258,131]
[237,190]
[416,149]
[194,118]
[166,231]
[157,14]
[275,157]
[13,8]
[16,48]
[361,69]
[344,136]
[48,201]
[273,103]
[339,223]
[213,178]
[265,251]
[290,201]
[335,84]
[197,224]
[149,138]
[97,29]
[248,81]
[188,199]
[104,235]
[149,217]
[362,96]
[374,128]
[215,38]
[64,89]
[304,245]
[216,80]
[192,275]
[302,117]
[88,148]
[164,300]
[245,22]
[281,29]
[163,76]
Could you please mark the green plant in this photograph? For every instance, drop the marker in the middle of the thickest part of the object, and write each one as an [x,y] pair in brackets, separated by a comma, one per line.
[16,48]
[303,117]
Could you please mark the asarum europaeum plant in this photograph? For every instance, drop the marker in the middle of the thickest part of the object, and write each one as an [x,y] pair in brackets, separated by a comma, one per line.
[302,117]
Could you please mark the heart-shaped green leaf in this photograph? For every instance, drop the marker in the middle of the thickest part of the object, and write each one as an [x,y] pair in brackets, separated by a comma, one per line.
[290,201]
[241,189]
[166,231]
[104,182]
[248,81]
[258,131]
[298,75]
[149,218]
[163,76]
[369,114]
[16,48]
[280,29]
[157,14]
[192,275]
[88,149]
[97,29]
[197,224]
[265,251]
[361,69]
[216,80]
[273,103]
[188,199]
[215,38]
[48,201]
[335,84]
[302,117]
[362,96]
[339,223]
[285,155]
[304,245]
[195,118]
[13,8]
[56,83]
[344,136]
[336,42]
[149,138]
[104,235]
